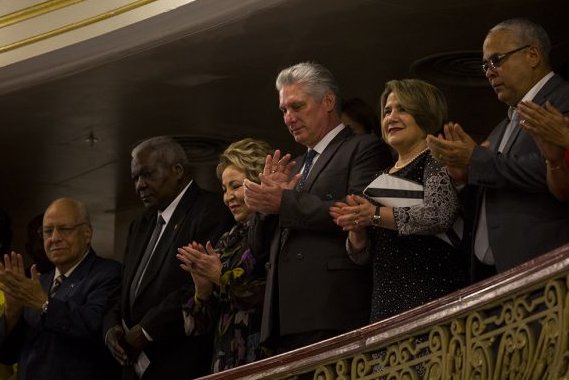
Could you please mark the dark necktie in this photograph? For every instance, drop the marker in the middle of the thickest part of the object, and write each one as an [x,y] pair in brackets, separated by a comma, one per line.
[145,258]
[300,185]
[307,165]
[56,284]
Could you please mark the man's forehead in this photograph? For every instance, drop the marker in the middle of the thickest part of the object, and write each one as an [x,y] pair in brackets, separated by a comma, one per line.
[498,41]
[58,218]
[292,93]
[144,160]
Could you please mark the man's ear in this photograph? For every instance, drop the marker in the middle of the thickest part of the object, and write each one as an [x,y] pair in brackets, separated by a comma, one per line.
[88,232]
[535,56]
[329,101]
[179,170]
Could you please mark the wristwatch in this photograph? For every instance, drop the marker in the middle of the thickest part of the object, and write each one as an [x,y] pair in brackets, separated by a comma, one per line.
[376,218]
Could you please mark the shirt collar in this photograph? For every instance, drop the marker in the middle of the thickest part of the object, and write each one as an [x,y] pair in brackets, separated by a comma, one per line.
[535,89]
[322,144]
[168,211]
[70,270]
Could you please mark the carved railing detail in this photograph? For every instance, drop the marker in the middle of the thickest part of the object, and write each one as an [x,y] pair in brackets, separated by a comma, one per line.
[513,326]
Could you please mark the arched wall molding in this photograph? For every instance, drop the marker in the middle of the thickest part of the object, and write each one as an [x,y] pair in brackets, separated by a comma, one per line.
[32,53]
[39,28]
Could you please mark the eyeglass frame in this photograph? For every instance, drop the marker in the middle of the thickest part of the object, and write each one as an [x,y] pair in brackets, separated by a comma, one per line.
[496,60]
[63,230]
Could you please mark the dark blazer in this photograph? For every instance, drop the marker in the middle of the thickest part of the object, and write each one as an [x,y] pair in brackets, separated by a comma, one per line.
[65,342]
[200,216]
[524,219]
[311,282]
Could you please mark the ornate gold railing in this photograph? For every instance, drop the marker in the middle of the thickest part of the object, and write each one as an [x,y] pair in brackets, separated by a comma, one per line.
[512,326]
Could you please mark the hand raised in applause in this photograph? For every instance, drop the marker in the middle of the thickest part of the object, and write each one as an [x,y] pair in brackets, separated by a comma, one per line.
[548,127]
[354,215]
[204,264]
[20,290]
[278,169]
[453,150]
[266,197]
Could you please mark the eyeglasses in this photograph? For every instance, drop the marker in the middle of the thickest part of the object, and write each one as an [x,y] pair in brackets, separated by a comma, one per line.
[64,231]
[496,60]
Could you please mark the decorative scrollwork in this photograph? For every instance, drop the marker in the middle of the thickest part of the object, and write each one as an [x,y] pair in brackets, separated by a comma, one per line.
[520,336]
[324,372]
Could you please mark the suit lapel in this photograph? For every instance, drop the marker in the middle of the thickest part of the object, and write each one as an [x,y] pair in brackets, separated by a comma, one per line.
[325,157]
[46,280]
[515,133]
[500,129]
[164,246]
[138,245]
[540,99]
[68,286]
[549,87]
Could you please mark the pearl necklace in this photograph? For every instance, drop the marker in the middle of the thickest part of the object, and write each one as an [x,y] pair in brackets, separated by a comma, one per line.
[397,167]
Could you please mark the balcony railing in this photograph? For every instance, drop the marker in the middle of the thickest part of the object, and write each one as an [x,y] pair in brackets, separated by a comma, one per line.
[511,326]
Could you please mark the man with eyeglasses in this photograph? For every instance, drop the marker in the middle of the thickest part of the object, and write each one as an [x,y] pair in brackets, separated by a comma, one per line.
[516,218]
[52,321]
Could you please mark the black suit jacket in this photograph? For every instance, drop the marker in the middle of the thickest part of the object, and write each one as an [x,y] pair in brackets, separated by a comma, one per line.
[524,218]
[311,282]
[200,216]
[65,343]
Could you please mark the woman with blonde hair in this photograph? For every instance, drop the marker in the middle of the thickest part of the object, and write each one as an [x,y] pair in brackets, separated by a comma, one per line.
[230,279]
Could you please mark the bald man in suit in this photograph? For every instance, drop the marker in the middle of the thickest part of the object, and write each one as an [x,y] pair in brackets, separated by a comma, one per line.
[53,321]
[516,217]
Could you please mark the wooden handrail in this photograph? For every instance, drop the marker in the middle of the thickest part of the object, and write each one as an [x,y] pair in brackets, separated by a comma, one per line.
[533,274]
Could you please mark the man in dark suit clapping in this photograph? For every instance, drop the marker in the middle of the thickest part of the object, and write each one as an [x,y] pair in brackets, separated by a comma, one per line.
[53,321]
[313,289]
[144,328]
[515,216]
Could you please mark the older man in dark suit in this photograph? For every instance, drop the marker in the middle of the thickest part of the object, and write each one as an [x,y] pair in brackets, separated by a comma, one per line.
[144,329]
[53,321]
[313,290]
[516,216]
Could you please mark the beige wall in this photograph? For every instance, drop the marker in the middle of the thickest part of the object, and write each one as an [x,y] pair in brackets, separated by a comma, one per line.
[34,27]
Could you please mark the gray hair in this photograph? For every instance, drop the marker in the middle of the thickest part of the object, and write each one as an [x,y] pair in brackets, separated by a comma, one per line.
[80,208]
[166,148]
[528,33]
[316,79]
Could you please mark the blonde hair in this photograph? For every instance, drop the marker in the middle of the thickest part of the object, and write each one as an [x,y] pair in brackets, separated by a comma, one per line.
[425,102]
[247,155]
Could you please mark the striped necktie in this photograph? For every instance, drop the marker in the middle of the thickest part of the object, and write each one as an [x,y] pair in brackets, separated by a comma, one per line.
[56,284]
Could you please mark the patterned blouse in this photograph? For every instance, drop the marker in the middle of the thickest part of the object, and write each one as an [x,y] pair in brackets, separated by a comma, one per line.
[234,309]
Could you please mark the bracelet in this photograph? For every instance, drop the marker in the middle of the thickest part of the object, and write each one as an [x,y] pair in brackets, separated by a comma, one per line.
[555,167]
